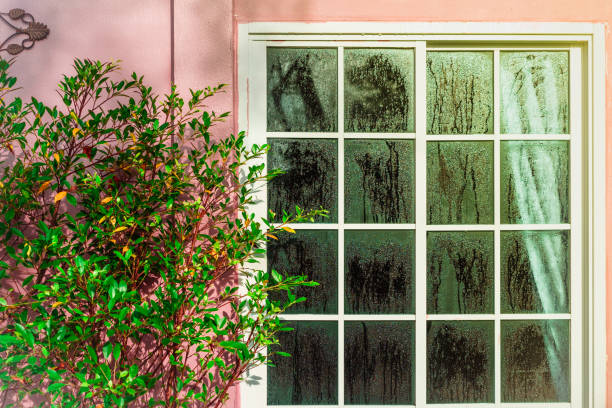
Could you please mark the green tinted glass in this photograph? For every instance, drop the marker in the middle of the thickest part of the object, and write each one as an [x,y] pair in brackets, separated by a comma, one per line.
[534,92]
[379,181]
[302,89]
[459,92]
[378,90]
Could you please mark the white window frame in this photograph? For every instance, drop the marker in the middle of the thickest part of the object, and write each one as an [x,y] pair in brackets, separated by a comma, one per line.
[587,53]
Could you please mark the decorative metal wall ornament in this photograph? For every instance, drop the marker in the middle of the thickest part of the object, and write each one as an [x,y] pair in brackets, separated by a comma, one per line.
[33,30]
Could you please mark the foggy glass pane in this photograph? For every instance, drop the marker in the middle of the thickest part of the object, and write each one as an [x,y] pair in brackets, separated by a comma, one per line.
[535,271]
[535,182]
[379,362]
[378,90]
[310,375]
[311,177]
[460,272]
[460,182]
[459,92]
[379,183]
[534,92]
[460,361]
[535,361]
[310,253]
[302,89]
[379,275]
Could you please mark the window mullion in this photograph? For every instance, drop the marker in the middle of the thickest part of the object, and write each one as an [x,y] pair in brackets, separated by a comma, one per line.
[420,233]
[341,226]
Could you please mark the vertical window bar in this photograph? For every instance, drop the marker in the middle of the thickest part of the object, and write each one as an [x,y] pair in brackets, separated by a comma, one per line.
[420,274]
[341,226]
[496,180]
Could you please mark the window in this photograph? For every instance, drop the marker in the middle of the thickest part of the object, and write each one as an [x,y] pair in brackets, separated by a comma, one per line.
[457,263]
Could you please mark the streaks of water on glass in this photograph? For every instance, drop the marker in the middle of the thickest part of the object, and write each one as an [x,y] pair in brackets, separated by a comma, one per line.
[534,92]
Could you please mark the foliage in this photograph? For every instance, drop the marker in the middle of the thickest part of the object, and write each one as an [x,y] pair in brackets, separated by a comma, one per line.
[123,227]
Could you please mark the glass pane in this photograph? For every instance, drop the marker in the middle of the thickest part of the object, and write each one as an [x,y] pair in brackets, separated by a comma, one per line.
[460,272]
[379,362]
[310,375]
[535,182]
[379,184]
[311,253]
[460,361]
[302,89]
[460,182]
[535,361]
[535,271]
[534,92]
[310,180]
[378,90]
[379,275]
[459,92]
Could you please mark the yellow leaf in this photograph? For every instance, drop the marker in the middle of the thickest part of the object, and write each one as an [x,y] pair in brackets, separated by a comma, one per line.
[118,229]
[44,186]
[56,157]
[291,230]
[270,236]
[113,241]
[113,220]
[56,304]
[1,184]
[158,165]
[124,250]
[106,200]
[59,196]
[73,115]
[102,220]
[133,137]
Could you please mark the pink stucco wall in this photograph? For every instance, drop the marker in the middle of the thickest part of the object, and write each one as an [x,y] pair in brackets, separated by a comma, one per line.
[139,33]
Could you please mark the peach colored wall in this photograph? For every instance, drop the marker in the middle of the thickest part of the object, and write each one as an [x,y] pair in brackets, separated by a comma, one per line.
[464,10]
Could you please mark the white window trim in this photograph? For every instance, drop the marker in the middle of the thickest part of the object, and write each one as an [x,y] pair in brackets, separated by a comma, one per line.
[591,37]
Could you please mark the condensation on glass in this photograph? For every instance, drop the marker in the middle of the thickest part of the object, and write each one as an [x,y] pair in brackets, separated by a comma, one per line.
[460,363]
[460,182]
[459,92]
[379,181]
[535,182]
[534,92]
[535,361]
[378,90]
[379,362]
[313,254]
[379,272]
[310,375]
[310,178]
[302,86]
[460,272]
[535,272]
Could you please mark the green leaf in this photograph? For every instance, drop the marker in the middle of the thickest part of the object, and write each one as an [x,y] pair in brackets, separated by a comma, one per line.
[55,387]
[107,349]
[117,351]
[7,340]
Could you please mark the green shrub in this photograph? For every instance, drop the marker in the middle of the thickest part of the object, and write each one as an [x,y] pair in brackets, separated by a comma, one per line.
[123,227]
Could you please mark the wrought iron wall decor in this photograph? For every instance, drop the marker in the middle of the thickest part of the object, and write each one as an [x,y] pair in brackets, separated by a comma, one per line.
[23,24]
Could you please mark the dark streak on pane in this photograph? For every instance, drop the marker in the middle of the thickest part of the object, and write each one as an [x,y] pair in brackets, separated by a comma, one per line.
[379,90]
[310,253]
[311,177]
[526,255]
[535,182]
[459,92]
[379,275]
[310,375]
[460,364]
[460,272]
[302,89]
[534,92]
[460,182]
[535,361]
[379,184]
[379,362]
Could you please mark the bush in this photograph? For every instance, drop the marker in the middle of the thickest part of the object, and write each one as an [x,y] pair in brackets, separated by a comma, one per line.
[124,228]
